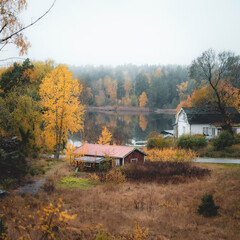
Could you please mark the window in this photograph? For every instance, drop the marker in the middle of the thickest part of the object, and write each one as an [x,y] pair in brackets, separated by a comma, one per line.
[213,132]
[205,130]
[234,129]
[88,165]
[117,162]
[134,160]
[184,117]
[219,130]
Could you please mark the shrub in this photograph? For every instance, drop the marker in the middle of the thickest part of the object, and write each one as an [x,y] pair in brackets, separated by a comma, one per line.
[163,172]
[191,142]
[115,176]
[170,155]
[3,230]
[236,138]
[158,142]
[225,139]
[49,185]
[36,171]
[12,165]
[7,182]
[207,208]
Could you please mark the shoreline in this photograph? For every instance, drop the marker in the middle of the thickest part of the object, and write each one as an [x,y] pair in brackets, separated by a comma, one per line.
[130,110]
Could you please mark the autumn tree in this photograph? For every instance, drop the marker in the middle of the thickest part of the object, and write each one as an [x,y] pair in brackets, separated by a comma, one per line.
[62,109]
[218,70]
[143,100]
[106,137]
[20,109]
[11,26]
[17,75]
[69,152]
[182,88]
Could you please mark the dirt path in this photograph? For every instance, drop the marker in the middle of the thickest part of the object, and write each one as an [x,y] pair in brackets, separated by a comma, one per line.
[34,186]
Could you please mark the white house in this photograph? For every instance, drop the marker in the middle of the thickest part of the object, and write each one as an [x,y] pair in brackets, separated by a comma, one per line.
[193,120]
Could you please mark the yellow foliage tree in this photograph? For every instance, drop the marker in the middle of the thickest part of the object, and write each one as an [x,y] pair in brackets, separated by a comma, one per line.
[69,152]
[106,137]
[182,88]
[63,111]
[143,100]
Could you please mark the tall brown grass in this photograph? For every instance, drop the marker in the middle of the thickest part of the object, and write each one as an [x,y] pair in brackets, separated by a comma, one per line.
[169,211]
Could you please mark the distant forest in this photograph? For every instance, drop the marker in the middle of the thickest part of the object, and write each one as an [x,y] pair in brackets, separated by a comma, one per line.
[151,86]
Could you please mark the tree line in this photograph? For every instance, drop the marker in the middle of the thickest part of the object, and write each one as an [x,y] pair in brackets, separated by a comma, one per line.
[151,86]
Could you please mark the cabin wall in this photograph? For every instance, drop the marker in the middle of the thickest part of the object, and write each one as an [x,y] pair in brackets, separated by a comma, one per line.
[134,155]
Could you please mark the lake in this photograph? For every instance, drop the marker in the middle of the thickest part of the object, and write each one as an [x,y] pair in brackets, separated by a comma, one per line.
[127,128]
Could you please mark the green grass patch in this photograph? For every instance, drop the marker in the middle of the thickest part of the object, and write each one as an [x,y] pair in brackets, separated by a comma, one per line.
[78,173]
[72,182]
[229,165]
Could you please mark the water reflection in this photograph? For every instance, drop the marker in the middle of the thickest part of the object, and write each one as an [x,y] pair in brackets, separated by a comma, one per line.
[125,127]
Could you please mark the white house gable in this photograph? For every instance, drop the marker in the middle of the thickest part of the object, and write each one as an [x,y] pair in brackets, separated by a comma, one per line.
[182,124]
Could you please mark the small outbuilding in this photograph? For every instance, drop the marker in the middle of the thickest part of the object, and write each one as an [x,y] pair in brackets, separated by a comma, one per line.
[96,153]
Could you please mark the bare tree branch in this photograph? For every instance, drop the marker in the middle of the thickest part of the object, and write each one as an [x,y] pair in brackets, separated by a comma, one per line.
[3,27]
[10,58]
[24,28]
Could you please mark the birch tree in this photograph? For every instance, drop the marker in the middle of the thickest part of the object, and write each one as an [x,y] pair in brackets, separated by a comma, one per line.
[63,112]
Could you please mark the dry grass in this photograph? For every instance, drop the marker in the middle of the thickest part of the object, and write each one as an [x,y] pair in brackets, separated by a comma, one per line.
[169,211]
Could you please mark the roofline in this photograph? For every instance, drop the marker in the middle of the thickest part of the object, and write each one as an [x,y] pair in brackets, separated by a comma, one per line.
[113,157]
[133,151]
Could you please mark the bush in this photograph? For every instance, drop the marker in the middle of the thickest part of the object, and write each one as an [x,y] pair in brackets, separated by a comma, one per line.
[12,165]
[163,172]
[191,142]
[225,139]
[115,176]
[49,185]
[236,138]
[158,142]
[3,230]
[7,182]
[207,208]
[36,171]
[170,155]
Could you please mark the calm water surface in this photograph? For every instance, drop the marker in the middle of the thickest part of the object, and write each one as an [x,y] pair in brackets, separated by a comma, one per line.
[125,127]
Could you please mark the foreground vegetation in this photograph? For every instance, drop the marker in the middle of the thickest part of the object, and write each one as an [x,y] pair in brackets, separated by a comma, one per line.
[112,209]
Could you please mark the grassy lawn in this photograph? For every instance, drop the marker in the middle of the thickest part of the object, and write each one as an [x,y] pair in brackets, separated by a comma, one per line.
[229,165]
[73,182]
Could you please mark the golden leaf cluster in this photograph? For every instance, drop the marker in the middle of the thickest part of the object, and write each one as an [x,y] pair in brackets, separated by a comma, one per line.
[106,137]
[170,154]
[143,99]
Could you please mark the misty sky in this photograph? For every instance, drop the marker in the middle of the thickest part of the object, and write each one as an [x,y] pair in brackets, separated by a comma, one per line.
[113,32]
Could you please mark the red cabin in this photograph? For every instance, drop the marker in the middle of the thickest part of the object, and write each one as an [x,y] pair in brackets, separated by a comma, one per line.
[94,153]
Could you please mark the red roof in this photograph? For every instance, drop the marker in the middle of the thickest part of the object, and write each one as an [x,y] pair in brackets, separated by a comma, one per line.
[105,150]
